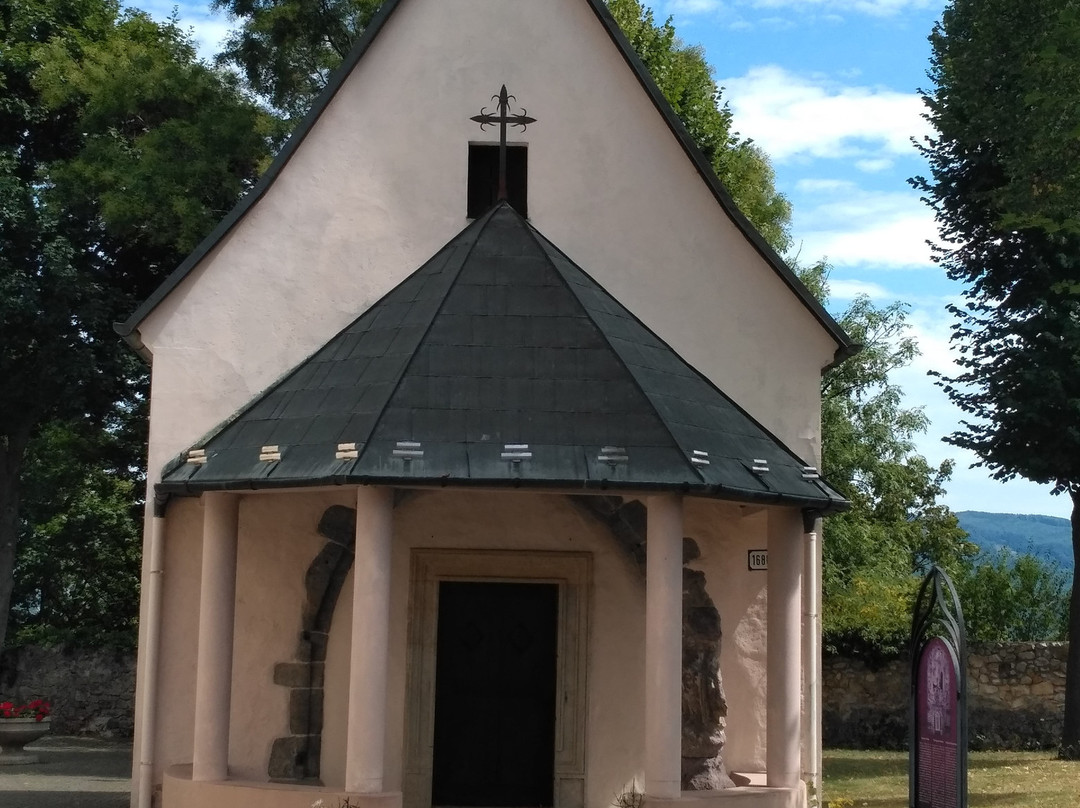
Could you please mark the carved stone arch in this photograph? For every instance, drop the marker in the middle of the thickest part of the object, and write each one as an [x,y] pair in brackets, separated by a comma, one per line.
[704,705]
[296,756]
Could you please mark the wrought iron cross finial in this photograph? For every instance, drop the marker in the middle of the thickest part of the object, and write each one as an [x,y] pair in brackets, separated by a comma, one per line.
[503,118]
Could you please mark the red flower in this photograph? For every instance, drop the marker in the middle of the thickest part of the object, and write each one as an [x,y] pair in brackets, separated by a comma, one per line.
[39,708]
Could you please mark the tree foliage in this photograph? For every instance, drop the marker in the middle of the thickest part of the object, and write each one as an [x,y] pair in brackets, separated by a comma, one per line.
[876,554]
[685,79]
[118,151]
[1006,107]
[77,572]
[287,49]
[896,528]
[1014,598]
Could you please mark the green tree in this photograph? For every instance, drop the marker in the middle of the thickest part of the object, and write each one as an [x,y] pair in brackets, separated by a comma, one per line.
[896,528]
[1014,598]
[286,50]
[118,151]
[1006,109]
[77,571]
[685,79]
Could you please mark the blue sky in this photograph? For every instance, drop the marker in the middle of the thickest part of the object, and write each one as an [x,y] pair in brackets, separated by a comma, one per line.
[828,88]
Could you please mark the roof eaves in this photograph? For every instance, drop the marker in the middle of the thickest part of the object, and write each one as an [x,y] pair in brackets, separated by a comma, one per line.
[770,255]
[337,79]
[824,506]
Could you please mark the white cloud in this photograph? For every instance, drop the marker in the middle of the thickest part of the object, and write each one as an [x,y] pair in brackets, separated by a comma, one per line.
[821,185]
[689,7]
[844,289]
[793,117]
[874,165]
[876,8]
[830,10]
[850,225]
[209,28]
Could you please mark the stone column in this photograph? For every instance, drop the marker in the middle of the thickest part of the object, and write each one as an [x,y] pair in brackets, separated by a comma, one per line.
[663,647]
[217,602]
[784,669]
[365,759]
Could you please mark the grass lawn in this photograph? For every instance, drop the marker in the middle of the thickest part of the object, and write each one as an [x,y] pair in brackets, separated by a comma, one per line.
[1022,779]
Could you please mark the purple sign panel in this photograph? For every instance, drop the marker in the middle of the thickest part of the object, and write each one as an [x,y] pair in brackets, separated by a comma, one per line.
[936,711]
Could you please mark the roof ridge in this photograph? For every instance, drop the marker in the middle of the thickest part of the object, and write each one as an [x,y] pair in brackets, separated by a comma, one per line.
[477,228]
[179,459]
[743,411]
[535,235]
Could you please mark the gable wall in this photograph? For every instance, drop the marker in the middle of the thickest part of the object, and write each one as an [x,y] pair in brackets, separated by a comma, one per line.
[379,185]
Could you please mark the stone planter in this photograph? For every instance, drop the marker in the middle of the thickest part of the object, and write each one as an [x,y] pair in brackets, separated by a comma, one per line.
[15,733]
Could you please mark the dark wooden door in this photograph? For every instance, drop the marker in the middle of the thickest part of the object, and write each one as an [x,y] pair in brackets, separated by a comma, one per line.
[495,694]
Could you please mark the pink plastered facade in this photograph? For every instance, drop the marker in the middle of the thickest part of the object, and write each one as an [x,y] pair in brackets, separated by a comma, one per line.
[376,187]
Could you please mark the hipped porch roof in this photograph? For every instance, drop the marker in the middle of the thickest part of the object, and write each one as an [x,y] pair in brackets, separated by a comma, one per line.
[500,363]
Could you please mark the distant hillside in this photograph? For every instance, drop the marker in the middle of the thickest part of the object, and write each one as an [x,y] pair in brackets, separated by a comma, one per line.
[1044,536]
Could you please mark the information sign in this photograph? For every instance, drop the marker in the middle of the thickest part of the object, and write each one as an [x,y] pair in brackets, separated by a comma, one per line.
[936,711]
[937,768]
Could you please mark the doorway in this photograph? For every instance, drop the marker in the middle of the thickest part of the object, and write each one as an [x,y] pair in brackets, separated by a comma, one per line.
[569,574]
[495,686]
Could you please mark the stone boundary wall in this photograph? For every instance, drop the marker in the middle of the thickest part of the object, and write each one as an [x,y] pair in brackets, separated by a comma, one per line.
[1016,694]
[1016,697]
[92,691]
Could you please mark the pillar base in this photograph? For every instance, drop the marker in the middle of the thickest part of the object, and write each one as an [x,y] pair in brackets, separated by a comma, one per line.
[180,791]
[739,797]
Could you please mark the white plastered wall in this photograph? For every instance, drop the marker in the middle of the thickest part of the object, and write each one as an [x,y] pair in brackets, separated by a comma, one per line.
[379,185]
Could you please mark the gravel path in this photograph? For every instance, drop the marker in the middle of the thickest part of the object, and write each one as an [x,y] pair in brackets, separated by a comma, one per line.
[73,773]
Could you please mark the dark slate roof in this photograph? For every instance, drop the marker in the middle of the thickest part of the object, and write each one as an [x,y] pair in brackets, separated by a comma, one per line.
[500,363]
[845,345]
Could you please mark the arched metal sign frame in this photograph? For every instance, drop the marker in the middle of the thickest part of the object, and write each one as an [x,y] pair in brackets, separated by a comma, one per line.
[937,617]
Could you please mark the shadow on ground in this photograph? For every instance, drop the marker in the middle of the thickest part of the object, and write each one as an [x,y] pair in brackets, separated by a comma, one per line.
[72,773]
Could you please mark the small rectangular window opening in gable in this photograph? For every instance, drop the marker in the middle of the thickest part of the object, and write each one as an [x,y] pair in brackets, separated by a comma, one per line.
[484,178]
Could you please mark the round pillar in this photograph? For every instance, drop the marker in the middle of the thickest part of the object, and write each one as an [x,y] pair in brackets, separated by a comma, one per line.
[783,763]
[365,754]
[217,604]
[663,647]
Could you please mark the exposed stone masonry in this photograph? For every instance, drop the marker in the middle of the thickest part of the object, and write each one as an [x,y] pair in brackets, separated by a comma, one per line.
[296,756]
[1016,697]
[704,705]
[91,690]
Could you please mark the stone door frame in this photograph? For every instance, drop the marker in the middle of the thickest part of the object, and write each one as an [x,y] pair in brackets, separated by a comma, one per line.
[572,573]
